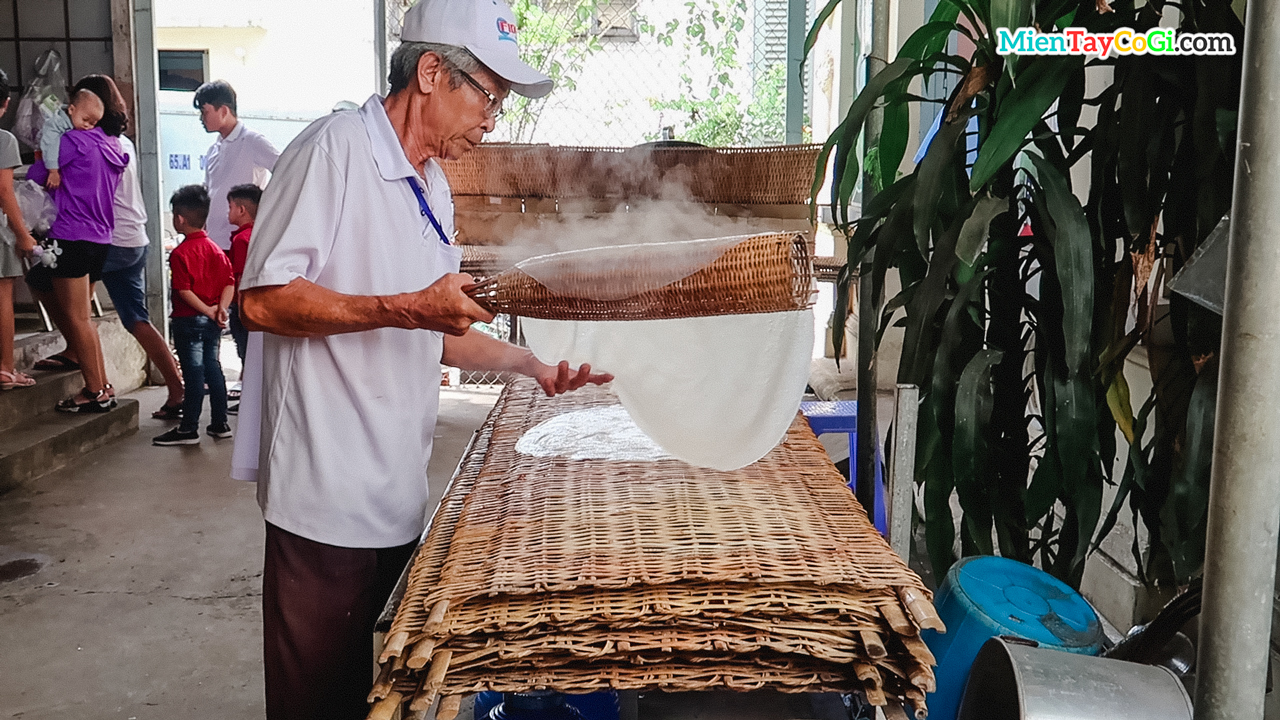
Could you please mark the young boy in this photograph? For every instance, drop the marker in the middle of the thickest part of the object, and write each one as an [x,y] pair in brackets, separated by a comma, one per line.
[203,286]
[242,203]
[84,113]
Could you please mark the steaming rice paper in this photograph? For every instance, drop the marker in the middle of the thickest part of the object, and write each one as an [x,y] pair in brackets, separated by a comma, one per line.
[591,273]
[717,392]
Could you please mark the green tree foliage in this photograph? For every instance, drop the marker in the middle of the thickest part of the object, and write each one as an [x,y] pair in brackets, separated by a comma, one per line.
[725,119]
[711,110]
[556,40]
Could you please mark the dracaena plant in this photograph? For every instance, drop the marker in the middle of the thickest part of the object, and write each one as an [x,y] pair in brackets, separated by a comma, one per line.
[1020,303]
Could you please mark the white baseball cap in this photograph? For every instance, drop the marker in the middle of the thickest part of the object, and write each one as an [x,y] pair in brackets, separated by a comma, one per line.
[486,28]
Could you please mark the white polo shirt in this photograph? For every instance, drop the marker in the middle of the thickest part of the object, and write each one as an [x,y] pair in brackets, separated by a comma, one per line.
[242,157]
[347,420]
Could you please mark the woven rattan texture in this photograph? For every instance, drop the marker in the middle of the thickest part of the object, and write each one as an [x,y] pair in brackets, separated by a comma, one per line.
[621,607]
[763,175]
[817,608]
[762,274]
[533,524]
[675,675]
[481,262]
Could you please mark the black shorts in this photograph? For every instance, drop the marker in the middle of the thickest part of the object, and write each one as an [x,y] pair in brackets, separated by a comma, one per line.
[71,259]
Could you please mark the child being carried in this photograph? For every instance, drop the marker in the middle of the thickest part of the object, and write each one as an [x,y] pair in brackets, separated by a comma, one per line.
[83,113]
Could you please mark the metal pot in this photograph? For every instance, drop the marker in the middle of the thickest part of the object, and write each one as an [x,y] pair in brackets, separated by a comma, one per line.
[1012,680]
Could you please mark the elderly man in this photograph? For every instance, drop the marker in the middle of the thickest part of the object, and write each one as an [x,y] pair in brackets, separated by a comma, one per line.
[352,276]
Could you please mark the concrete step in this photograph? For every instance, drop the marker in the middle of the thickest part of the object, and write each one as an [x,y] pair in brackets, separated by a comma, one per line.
[20,405]
[51,440]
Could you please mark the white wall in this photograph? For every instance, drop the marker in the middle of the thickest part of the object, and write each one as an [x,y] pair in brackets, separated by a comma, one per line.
[296,57]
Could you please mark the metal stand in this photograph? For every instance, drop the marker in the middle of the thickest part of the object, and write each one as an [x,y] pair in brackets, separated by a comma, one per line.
[902,469]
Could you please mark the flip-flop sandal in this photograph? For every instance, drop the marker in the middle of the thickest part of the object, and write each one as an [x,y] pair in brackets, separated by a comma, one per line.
[57,362]
[168,412]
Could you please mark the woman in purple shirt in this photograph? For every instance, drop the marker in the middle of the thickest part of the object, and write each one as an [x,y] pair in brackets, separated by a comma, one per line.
[92,162]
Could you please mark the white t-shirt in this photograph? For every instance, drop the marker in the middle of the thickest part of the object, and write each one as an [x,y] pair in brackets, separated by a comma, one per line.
[242,157]
[347,420]
[130,230]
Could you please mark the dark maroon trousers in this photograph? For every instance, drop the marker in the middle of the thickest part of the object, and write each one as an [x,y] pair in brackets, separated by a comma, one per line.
[319,605]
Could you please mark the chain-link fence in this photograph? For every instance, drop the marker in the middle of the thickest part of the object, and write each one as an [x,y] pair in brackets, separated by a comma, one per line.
[634,71]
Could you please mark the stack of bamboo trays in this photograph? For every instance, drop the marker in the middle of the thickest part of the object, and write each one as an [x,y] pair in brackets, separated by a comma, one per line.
[584,575]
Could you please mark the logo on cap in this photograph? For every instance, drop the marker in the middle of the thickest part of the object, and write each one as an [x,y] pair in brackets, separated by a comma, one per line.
[506,30]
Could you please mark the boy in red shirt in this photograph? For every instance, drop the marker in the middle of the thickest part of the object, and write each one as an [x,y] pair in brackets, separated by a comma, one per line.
[242,204]
[203,286]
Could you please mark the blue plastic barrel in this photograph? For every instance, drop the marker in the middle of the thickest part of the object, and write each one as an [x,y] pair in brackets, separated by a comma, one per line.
[985,597]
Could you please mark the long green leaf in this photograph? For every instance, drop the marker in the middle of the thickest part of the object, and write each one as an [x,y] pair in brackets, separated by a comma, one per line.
[1073,257]
[812,38]
[1046,482]
[1039,85]
[1011,14]
[1137,108]
[974,233]
[846,134]
[886,200]
[1121,407]
[921,335]
[970,451]
[840,314]
[1076,438]
[1135,470]
[893,141]
[928,38]
[933,451]
[1069,105]
[1185,512]
[939,161]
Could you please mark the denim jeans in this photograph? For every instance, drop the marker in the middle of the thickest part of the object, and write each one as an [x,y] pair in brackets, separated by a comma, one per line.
[239,332]
[197,339]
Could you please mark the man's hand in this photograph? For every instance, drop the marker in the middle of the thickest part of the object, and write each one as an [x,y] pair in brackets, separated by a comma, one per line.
[444,306]
[55,179]
[560,379]
[221,317]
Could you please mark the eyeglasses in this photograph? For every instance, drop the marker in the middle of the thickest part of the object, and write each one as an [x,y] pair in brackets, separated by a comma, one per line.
[494,108]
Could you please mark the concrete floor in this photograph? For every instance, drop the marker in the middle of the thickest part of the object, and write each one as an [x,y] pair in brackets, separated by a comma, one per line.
[146,604]
[146,601]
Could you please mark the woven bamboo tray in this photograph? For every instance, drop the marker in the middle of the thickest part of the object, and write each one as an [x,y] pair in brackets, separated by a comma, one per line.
[584,607]
[762,274]
[536,524]
[760,175]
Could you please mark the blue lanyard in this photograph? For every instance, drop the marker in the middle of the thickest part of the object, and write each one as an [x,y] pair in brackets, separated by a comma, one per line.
[426,210]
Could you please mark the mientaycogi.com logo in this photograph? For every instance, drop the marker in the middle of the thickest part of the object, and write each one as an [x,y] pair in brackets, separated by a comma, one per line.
[1125,41]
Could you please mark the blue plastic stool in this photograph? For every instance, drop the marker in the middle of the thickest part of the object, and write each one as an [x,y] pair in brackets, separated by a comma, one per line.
[983,597]
[841,416]
[542,705]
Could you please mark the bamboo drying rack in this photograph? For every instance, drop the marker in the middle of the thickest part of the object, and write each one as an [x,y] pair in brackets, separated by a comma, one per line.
[585,575]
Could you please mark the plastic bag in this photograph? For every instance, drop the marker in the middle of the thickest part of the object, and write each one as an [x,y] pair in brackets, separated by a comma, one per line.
[36,205]
[45,95]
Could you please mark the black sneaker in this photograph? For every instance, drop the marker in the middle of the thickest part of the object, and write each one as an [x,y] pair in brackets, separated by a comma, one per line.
[233,409]
[177,437]
[219,431]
